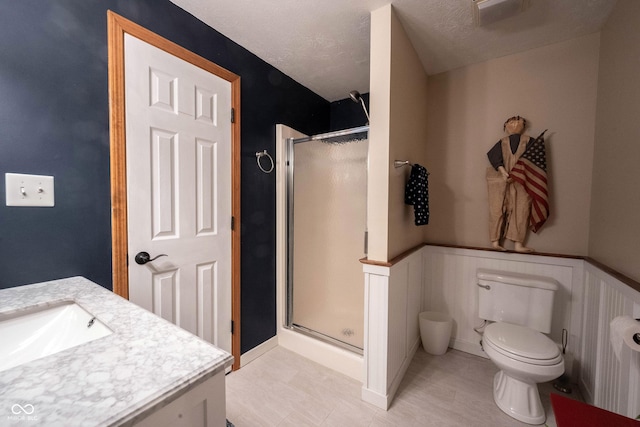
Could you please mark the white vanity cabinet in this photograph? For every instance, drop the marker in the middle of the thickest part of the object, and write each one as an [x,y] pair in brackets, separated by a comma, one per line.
[204,406]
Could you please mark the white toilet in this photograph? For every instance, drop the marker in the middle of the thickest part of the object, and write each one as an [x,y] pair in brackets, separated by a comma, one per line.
[521,307]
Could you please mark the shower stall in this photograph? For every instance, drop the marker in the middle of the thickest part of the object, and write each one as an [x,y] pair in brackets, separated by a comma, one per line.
[326,236]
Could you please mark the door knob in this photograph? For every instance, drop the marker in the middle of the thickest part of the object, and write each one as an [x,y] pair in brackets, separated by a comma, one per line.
[144,257]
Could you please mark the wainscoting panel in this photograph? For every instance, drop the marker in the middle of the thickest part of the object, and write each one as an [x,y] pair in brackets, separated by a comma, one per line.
[587,300]
[393,300]
[634,377]
[397,336]
[450,286]
[607,381]
[589,356]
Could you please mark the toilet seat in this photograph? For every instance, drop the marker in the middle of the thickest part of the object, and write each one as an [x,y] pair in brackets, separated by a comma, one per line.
[522,344]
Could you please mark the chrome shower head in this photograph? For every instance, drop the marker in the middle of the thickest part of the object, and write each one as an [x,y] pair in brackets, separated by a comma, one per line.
[357,98]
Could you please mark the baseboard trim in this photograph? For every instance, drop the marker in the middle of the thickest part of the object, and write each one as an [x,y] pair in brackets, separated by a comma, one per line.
[336,358]
[258,351]
[376,399]
[384,401]
[403,370]
[467,347]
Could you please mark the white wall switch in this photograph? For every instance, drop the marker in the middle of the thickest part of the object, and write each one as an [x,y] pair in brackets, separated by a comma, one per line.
[29,190]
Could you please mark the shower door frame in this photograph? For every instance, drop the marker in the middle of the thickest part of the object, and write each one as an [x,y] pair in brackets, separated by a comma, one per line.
[290,165]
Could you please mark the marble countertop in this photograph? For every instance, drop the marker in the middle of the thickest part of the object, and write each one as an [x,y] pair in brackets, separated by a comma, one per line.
[115,380]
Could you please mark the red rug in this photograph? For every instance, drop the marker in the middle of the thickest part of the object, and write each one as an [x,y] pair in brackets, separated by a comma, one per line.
[572,413]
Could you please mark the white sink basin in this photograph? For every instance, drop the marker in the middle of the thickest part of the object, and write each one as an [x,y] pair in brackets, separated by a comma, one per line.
[40,332]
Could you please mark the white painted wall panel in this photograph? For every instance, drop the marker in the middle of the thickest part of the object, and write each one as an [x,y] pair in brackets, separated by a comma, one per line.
[376,332]
[414,300]
[392,304]
[634,377]
[398,292]
[586,302]
[607,381]
[451,287]
[590,340]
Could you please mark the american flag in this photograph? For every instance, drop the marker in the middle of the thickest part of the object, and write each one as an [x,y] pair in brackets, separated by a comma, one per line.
[531,172]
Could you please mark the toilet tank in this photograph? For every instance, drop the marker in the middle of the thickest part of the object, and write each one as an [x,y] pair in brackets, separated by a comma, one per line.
[522,299]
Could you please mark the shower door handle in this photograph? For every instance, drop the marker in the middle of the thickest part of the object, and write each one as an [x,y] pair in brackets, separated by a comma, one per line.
[366,243]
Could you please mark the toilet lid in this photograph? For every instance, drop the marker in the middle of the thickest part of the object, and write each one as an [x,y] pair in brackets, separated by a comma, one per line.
[521,341]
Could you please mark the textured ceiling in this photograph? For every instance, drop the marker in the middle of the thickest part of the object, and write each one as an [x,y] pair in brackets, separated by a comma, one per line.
[324,44]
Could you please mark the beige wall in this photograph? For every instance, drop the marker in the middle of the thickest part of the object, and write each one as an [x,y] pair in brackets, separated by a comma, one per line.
[614,235]
[553,87]
[398,96]
[379,105]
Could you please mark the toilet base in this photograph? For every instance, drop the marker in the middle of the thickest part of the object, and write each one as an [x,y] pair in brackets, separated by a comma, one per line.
[518,399]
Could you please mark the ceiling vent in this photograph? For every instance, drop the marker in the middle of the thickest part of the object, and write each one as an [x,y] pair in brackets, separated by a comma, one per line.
[486,12]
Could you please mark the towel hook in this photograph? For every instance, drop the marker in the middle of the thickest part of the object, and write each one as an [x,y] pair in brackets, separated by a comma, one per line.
[259,155]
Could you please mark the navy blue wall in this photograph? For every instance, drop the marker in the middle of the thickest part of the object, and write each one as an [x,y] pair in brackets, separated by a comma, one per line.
[54,117]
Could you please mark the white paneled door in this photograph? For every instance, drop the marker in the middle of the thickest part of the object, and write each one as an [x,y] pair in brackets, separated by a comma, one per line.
[178,133]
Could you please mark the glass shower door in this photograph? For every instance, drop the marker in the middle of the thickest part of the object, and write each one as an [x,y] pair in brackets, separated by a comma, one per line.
[327,228]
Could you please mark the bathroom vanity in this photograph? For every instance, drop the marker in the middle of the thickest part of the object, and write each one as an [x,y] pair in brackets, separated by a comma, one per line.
[139,371]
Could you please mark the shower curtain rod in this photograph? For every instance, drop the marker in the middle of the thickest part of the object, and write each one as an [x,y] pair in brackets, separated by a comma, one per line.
[335,134]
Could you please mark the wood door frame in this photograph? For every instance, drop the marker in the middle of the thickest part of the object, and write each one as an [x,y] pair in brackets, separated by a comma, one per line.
[117,27]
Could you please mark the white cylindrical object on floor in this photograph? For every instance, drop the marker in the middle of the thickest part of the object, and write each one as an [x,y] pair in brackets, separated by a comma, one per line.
[435,331]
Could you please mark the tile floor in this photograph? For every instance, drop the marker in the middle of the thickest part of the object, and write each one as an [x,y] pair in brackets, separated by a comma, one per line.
[284,389]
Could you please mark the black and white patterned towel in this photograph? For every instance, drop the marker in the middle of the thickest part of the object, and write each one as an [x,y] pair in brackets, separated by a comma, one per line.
[416,193]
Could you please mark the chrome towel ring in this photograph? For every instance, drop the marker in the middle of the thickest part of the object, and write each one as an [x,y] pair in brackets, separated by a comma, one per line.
[259,155]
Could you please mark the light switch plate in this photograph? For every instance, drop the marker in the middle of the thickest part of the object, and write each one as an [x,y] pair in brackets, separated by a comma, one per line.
[29,190]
